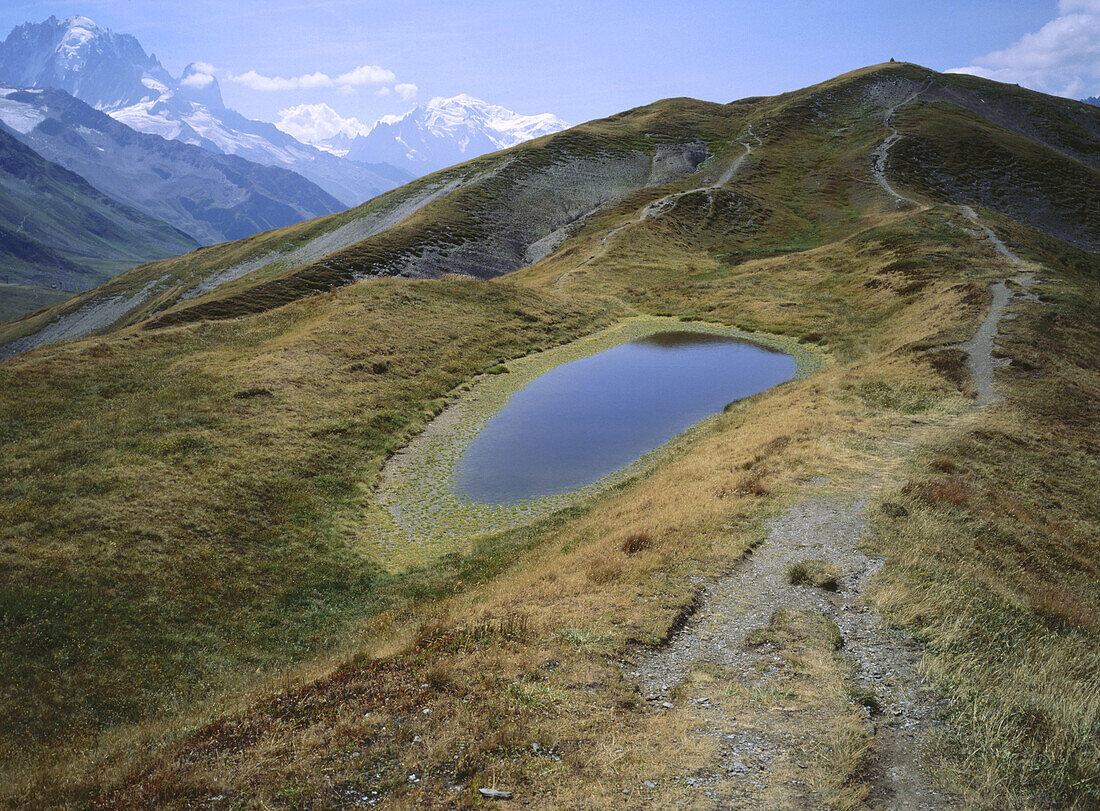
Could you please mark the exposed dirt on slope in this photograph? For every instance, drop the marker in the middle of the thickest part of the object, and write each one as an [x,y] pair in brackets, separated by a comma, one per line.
[661,205]
[882,153]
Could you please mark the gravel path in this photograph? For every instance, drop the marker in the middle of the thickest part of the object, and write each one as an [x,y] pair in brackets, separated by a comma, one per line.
[821,527]
[880,156]
[981,362]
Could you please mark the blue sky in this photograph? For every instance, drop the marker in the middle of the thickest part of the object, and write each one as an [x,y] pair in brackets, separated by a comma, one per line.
[583,60]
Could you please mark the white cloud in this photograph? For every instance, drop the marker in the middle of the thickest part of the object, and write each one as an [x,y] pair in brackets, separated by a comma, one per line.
[366,74]
[204,67]
[406,90]
[1062,57]
[197,80]
[362,75]
[256,81]
[314,123]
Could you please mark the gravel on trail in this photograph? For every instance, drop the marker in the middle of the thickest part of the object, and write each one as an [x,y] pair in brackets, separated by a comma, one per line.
[823,526]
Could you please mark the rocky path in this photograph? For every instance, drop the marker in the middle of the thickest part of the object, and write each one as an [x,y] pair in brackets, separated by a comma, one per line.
[882,153]
[761,752]
[981,360]
[756,757]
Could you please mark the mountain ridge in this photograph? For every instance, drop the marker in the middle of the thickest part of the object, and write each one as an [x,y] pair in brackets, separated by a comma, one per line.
[212,197]
[112,73]
[445,132]
[443,218]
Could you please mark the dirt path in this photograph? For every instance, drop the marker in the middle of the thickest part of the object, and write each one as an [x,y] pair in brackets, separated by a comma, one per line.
[757,756]
[761,751]
[882,153]
[660,205]
[981,362]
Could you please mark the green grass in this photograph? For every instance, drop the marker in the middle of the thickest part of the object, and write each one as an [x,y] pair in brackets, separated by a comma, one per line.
[819,573]
[184,537]
[17,299]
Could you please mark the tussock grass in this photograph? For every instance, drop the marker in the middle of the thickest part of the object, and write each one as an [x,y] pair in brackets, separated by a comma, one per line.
[819,573]
[172,506]
[586,598]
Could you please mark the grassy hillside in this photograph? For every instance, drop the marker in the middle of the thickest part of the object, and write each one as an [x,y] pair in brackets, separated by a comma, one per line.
[192,615]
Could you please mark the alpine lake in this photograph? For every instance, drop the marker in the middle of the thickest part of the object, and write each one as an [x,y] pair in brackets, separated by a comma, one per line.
[562,425]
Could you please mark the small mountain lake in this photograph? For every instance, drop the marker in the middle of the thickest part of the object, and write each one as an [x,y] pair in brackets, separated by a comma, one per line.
[585,419]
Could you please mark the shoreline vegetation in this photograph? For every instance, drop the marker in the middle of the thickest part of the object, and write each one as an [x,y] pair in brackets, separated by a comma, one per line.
[415,515]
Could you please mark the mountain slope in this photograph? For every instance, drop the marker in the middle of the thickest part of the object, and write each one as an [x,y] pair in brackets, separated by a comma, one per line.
[501,212]
[60,233]
[112,72]
[194,588]
[208,196]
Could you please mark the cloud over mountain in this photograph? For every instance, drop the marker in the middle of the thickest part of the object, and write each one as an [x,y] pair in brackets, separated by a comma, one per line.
[357,77]
[1062,57]
[316,123]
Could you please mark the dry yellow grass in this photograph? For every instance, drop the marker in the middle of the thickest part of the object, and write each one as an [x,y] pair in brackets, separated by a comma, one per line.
[576,596]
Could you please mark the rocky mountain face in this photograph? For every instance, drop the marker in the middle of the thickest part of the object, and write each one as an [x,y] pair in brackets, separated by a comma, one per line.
[111,72]
[105,69]
[210,196]
[57,231]
[445,132]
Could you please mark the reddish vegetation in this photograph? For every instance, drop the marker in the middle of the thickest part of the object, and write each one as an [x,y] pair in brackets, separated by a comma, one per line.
[637,542]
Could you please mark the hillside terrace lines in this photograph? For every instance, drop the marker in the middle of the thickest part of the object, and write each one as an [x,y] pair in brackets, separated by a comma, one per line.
[659,206]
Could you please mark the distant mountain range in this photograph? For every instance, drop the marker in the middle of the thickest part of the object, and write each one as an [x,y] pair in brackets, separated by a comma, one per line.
[111,161]
[58,233]
[444,132]
[209,196]
[1093,100]
[111,72]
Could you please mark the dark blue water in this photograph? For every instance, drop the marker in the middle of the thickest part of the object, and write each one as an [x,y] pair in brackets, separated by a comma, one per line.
[582,420]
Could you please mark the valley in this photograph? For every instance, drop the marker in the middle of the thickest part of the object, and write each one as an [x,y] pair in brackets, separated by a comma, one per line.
[872,584]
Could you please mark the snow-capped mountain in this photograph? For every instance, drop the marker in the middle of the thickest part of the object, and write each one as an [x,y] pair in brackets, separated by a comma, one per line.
[112,72]
[102,68]
[209,196]
[444,132]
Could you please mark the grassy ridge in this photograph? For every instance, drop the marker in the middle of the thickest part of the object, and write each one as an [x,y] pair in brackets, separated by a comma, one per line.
[998,564]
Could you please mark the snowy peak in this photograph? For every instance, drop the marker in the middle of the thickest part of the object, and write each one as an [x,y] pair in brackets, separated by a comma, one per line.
[198,85]
[74,54]
[446,131]
[503,126]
